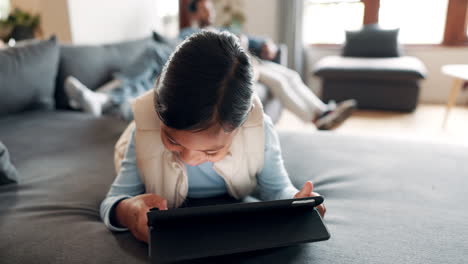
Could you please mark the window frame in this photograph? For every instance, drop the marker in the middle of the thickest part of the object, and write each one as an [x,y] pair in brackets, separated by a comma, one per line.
[456,23]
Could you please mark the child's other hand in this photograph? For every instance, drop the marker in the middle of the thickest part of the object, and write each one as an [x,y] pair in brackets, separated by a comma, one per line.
[131,213]
[307,191]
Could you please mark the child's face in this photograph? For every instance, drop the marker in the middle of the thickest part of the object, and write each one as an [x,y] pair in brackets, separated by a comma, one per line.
[195,148]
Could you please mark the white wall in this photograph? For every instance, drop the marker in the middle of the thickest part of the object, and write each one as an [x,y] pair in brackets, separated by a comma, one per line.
[106,21]
[434,89]
[262,18]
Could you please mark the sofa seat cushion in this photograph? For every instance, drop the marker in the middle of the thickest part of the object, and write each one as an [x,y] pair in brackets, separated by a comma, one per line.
[397,68]
[388,201]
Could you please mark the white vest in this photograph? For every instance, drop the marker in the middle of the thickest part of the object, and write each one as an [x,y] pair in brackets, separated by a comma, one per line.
[165,175]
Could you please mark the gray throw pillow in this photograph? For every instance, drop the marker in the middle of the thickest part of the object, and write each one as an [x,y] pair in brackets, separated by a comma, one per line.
[8,173]
[27,76]
[153,57]
[372,41]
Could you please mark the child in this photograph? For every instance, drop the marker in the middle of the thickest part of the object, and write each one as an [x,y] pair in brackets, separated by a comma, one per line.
[200,134]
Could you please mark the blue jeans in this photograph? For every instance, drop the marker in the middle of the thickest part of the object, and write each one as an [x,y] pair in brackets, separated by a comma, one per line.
[128,90]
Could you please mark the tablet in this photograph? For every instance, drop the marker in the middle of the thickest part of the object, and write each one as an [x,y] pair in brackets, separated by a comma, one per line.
[206,231]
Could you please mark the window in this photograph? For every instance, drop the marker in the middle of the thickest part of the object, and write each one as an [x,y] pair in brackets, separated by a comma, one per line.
[326,21]
[4,9]
[420,21]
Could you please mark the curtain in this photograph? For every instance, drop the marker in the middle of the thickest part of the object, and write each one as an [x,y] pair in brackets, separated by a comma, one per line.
[291,12]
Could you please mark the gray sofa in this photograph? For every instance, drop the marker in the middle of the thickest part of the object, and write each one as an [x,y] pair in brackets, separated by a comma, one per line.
[388,201]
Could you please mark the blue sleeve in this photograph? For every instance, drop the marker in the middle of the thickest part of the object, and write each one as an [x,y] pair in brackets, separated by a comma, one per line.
[255,45]
[273,181]
[126,185]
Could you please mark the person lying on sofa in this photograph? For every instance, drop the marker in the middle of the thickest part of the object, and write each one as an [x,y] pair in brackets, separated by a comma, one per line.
[285,84]
[128,84]
[201,133]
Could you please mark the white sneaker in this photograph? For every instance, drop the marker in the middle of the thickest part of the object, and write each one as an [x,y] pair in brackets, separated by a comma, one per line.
[81,97]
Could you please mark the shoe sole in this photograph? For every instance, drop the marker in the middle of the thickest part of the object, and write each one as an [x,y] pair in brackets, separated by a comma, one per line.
[334,123]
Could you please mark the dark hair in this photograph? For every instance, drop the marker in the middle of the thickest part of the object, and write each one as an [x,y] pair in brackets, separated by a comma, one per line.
[207,80]
[192,6]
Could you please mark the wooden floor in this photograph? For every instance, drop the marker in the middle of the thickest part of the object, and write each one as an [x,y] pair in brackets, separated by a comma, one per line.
[423,124]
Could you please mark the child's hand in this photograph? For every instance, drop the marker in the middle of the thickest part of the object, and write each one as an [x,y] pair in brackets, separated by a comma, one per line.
[131,213]
[307,191]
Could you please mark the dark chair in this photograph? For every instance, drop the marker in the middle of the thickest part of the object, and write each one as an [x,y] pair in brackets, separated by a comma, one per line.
[372,71]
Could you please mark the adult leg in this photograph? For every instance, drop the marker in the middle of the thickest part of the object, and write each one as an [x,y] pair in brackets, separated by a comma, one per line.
[297,85]
[129,90]
[288,97]
[81,97]
[326,116]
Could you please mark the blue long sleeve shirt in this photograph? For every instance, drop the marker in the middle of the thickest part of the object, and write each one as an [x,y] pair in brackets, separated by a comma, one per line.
[273,182]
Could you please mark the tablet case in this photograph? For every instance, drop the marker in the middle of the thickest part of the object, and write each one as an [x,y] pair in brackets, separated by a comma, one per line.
[196,232]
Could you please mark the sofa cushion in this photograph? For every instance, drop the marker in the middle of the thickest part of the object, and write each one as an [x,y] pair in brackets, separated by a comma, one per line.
[150,58]
[372,41]
[388,201]
[94,65]
[398,68]
[8,173]
[27,76]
